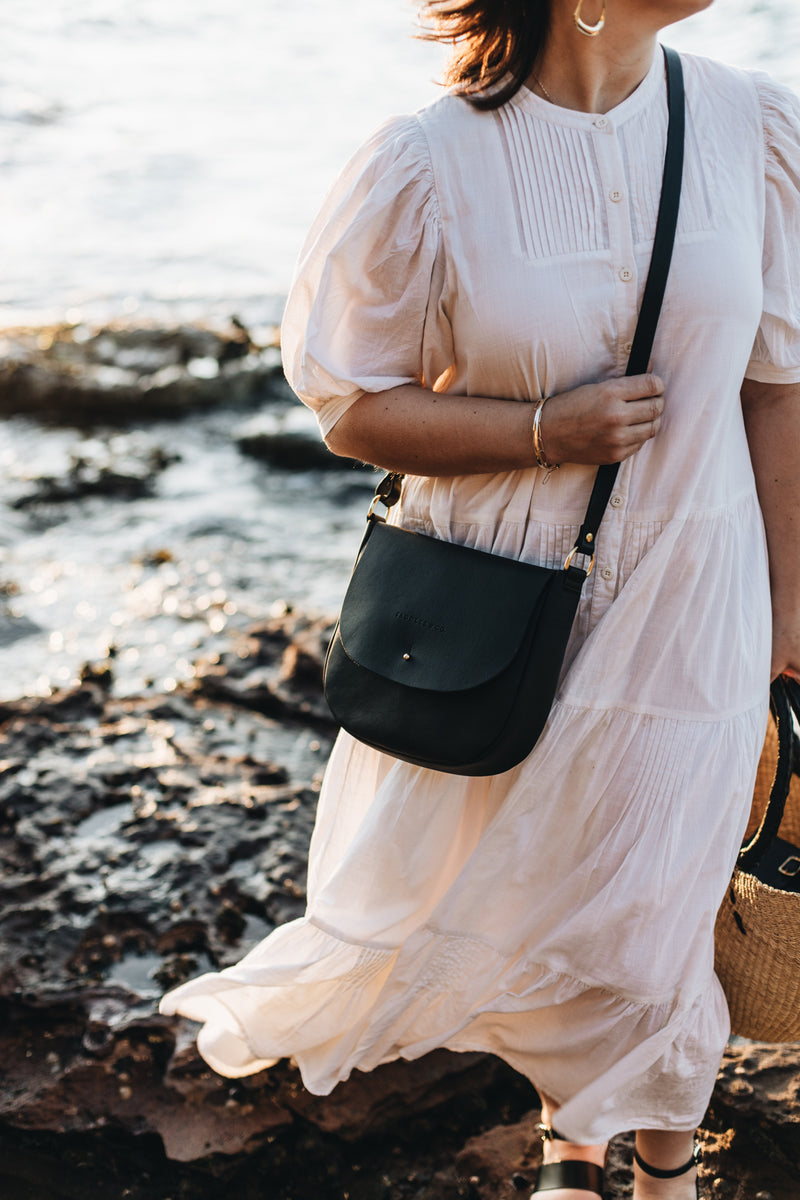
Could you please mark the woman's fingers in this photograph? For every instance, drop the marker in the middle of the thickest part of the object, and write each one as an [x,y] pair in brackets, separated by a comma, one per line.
[644,400]
[603,422]
[638,387]
[640,412]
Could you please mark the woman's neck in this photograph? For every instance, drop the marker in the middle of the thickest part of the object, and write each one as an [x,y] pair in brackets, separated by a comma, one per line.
[593,74]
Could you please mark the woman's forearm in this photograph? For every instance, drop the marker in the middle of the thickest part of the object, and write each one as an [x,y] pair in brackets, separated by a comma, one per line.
[421,432]
[772,421]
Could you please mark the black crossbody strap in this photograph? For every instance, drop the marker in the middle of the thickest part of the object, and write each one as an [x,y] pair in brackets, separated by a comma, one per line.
[655,286]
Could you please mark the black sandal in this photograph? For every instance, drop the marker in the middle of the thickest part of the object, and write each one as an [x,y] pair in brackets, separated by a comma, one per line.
[569,1172]
[658,1173]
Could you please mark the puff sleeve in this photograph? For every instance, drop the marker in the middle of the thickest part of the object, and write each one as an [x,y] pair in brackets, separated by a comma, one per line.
[776,352]
[364,311]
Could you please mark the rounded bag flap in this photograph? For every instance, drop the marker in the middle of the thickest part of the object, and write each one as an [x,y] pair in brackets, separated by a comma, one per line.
[435,615]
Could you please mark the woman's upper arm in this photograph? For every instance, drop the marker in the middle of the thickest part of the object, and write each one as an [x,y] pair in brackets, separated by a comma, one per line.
[776,352]
[362,306]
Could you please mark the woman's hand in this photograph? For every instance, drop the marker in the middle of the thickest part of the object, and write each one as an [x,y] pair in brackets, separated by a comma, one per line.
[786,646]
[602,422]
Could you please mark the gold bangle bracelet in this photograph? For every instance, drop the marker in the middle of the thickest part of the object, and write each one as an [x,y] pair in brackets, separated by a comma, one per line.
[536,431]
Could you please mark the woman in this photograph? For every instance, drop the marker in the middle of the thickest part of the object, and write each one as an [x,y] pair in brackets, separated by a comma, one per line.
[560,915]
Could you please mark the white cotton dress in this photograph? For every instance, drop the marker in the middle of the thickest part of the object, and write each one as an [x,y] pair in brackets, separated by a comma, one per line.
[560,915]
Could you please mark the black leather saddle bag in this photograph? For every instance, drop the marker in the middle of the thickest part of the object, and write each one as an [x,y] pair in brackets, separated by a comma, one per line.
[457,667]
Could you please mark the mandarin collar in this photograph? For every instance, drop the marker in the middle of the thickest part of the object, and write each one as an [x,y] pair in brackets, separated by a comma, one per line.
[639,99]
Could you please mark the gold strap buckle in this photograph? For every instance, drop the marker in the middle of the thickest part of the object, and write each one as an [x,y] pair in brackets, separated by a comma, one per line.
[376,500]
[572,554]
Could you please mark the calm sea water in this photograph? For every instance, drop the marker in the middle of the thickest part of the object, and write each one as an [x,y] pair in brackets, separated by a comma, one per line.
[173,152]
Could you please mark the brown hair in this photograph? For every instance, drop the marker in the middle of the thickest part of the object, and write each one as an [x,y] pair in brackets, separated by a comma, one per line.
[496,44]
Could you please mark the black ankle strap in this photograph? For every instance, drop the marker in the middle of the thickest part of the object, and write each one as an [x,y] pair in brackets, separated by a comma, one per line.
[658,1173]
[582,1176]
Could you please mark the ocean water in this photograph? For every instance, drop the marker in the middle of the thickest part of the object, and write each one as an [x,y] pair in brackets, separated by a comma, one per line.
[164,160]
[170,154]
[174,151]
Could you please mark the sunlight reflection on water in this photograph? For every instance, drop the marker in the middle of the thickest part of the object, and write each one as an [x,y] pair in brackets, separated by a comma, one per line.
[175,154]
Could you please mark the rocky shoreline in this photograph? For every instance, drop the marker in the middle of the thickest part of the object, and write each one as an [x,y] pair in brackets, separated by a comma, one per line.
[148,835]
[121,372]
[147,839]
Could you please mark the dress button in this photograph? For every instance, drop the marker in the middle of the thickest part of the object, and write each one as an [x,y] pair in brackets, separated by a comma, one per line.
[600,123]
[626,274]
[607,573]
[616,500]
[628,346]
[615,194]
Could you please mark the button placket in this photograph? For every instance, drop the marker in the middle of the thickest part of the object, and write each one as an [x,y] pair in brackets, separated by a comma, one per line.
[610,541]
[610,548]
[620,236]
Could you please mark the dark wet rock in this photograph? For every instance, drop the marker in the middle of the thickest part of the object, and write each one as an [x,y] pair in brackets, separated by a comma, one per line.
[71,1074]
[274,668]
[143,836]
[291,450]
[290,439]
[371,1103]
[753,1123]
[14,627]
[77,375]
[106,470]
[192,1134]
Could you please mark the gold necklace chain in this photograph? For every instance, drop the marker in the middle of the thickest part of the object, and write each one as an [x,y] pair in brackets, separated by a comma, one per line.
[545,92]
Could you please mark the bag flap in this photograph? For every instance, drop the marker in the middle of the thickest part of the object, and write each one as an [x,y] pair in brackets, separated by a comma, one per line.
[436,615]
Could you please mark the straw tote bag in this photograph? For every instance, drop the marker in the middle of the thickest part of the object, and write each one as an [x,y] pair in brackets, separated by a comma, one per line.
[758,925]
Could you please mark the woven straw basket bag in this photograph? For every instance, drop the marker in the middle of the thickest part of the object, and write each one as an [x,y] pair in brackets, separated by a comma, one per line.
[758,926]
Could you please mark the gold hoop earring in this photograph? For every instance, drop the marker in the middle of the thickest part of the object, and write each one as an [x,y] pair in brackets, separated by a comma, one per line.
[582,27]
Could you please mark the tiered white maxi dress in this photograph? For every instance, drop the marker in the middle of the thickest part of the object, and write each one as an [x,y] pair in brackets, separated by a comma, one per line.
[560,915]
